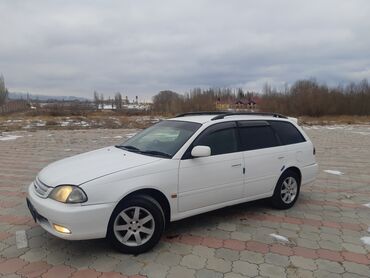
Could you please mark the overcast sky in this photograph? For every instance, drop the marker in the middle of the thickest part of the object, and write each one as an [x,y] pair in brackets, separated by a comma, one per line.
[142,47]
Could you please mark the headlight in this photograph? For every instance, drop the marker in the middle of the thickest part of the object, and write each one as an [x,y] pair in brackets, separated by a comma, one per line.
[68,194]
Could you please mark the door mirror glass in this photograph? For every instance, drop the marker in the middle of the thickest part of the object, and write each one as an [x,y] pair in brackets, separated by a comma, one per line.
[201,151]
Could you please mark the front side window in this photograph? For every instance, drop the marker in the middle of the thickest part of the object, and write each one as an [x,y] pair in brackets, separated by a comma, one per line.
[257,137]
[221,140]
[162,139]
[287,133]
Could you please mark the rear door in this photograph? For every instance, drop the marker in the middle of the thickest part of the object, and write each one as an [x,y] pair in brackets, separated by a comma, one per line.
[205,181]
[263,155]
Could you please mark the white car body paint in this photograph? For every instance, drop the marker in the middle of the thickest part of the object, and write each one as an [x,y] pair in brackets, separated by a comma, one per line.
[200,184]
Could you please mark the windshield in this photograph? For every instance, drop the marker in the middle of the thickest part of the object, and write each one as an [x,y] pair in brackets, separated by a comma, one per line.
[162,139]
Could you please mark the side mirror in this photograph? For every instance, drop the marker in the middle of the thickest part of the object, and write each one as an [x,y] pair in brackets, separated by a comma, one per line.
[201,151]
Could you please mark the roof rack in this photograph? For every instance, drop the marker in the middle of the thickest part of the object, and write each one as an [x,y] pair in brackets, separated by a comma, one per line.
[201,113]
[275,115]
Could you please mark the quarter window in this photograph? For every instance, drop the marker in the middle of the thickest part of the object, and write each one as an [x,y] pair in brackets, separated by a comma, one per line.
[257,137]
[288,134]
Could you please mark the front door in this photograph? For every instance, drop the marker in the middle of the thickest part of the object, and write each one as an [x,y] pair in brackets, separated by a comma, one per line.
[215,179]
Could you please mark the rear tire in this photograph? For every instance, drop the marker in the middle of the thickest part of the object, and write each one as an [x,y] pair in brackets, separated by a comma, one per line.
[286,191]
[136,225]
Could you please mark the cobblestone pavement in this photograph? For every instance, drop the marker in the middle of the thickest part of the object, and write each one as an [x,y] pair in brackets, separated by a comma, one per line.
[324,228]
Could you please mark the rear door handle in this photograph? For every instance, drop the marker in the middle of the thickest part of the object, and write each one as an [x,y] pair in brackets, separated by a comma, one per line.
[236,165]
[281,157]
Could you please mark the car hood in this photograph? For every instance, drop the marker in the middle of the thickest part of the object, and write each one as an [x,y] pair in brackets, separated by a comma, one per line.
[88,166]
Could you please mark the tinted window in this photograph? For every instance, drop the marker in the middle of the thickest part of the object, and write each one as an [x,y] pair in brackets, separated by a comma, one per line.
[287,132]
[220,141]
[257,137]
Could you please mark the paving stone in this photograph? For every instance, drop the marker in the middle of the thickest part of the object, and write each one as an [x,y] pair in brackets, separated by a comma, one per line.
[226,226]
[34,255]
[206,273]
[245,268]
[179,271]
[277,259]
[304,263]
[330,245]
[233,275]
[240,236]
[11,266]
[128,267]
[181,249]
[354,248]
[307,243]
[293,272]
[114,275]
[352,275]
[330,266]
[86,273]
[229,255]
[155,270]
[219,265]
[355,268]
[104,263]
[326,274]
[251,257]
[60,271]
[193,261]
[168,258]
[203,251]
[34,270]
[270,270]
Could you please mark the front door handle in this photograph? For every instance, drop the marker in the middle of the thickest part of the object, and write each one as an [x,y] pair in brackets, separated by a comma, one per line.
[236,165]
[281,157]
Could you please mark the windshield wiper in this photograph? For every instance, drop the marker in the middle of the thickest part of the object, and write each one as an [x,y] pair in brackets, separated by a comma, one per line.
[129,148]
[136,150]
[156,153]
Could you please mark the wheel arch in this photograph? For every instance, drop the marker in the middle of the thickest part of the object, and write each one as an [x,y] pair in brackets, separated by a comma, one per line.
[159,196]
[296,170]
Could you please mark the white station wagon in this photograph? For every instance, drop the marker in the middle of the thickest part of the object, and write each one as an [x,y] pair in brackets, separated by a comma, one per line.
[191,164]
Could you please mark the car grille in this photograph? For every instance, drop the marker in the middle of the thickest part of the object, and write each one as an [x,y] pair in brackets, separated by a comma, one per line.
[41,189]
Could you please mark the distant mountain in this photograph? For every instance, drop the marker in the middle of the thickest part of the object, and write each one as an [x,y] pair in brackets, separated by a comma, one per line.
[17,95]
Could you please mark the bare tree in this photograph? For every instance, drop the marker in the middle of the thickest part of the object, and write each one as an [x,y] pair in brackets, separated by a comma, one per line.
[118,101]
[3,91]
[96,99]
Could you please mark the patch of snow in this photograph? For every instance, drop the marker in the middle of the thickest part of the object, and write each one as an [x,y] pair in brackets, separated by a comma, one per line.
[65,123]
[367,205]
[366,240]
[9,137]
[279,237]
[333,172]
[67,150]
[49,135]
[129,135]
[40,124]
[117,137]
[361,132]
[21,239]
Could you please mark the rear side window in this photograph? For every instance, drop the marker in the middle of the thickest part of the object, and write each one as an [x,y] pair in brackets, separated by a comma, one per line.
[257,137]
[220,141]
[287,132]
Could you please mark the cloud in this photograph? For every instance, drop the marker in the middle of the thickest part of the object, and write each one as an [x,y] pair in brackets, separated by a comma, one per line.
[141,47]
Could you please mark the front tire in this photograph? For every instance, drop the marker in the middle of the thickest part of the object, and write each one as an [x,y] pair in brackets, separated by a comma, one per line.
[286,191]
[136,225]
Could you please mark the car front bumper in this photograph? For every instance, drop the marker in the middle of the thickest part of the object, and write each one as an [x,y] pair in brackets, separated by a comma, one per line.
[84,221]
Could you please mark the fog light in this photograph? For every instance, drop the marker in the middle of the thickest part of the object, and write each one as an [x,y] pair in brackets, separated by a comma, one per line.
[61,229]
